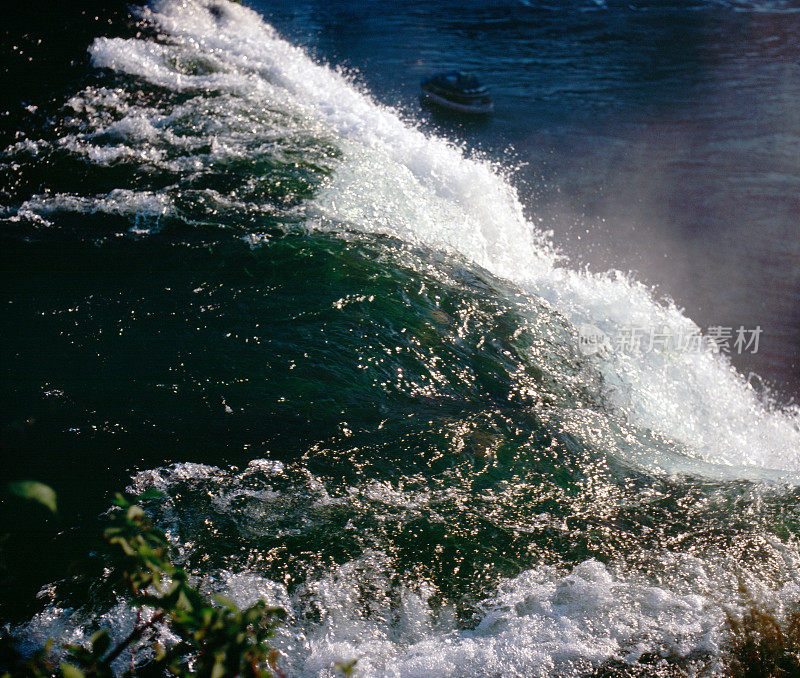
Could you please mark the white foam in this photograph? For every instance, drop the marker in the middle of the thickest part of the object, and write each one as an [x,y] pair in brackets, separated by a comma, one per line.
[147,207]
[545,622]
[165,477]
[183,138]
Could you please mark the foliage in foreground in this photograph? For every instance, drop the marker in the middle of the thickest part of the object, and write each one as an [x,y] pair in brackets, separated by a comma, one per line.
[764,644]
[207,640]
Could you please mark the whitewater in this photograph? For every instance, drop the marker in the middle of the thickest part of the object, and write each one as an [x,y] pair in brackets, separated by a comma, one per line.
[243,91]
[393,179]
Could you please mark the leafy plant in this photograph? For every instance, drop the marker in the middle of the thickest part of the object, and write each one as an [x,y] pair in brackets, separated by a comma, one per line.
[35,491]
[207,640]
[763,643]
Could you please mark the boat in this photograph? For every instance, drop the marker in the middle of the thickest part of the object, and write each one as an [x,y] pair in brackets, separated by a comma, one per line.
[457,92]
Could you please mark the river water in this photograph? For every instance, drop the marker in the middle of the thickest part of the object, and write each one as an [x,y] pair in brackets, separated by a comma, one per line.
[348,339]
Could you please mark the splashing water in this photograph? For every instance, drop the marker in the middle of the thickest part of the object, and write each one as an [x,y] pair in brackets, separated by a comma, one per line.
[393,179]
[462,533]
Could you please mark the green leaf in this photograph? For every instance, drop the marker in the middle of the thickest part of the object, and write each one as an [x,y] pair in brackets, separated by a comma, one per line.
[226,602]
[121,501]
[219,667]
[346,669]
[69,671]
[35,491]
[134,513]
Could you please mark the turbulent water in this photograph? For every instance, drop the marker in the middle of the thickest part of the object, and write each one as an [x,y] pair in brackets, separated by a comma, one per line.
[218,250]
